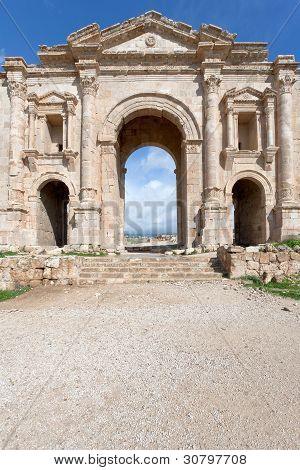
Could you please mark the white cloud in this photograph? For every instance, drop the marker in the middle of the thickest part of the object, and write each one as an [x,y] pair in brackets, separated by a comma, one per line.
[151,202]
[157,159]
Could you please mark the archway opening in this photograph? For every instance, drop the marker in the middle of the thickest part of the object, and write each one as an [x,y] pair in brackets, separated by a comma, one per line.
[151,185]
[52,220]
[249,213]
[150,197]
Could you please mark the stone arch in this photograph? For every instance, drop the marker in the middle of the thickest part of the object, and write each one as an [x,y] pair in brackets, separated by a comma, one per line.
[250,194]
[161,105]
[42,180]
[254,176]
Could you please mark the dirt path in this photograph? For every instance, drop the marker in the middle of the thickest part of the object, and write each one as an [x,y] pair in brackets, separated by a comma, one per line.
[181,365]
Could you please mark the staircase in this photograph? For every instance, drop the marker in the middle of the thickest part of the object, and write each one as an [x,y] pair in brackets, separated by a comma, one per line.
[147,268]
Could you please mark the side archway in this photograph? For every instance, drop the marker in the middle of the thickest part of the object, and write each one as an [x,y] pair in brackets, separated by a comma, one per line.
[51,196]
[250,194]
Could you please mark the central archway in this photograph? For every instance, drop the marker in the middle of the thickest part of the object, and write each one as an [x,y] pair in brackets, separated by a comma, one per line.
[150,119]
[158,132]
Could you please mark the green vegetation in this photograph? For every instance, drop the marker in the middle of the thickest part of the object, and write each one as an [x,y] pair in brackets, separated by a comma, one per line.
[289,287]
[11,294]
[82,253]
[290,243]
[4,254]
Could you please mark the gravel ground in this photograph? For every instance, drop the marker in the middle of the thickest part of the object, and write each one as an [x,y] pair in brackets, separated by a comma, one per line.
[208,365]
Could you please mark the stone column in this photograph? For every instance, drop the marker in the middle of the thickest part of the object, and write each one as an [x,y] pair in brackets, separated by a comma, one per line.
[230,128]
[32,120]
[211,138]
[190,191]
[41,141]
[285,133]
[287,210]
[269,111]
[258,130]
[236,130]
[17,93]
[69,129]
[214,216]
[64,143]
[112,223]
[88,138]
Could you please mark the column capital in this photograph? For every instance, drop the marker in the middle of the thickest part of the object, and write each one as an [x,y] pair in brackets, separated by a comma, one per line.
[285,83]
[17,88]
[89,85]
[212,83]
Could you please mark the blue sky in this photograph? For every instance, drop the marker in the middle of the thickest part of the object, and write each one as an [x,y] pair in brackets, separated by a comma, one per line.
[24,25]
[33,22]
[150,198]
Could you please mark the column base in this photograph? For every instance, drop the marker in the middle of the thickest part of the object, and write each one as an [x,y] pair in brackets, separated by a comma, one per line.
[287,221]
[215,225]
[86,225]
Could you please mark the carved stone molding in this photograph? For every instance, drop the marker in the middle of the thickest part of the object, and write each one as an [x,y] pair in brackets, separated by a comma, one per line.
[69,159]
[212,83]
[89,85]
[285,195]
[269,155]
[212,194]
[150,40]
[286,84]
[109,147]
[18,89]
[191,146]
[30,159]
[87,194]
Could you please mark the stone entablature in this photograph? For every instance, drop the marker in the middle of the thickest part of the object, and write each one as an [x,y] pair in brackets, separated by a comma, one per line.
[234,116]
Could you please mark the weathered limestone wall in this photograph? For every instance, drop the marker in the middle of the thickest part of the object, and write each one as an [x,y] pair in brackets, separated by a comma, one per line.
[272,262]
[149,67]
[33,271]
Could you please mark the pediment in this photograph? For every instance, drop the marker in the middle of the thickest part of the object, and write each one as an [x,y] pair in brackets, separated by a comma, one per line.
[53,97]
[245,94]
[88,35]
[212,33]
[151,41]
[149,31]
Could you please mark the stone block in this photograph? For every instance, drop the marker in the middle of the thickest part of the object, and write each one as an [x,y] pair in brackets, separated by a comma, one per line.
[253,265]
[264,258]
[283,256]
[35,283]
[52,262]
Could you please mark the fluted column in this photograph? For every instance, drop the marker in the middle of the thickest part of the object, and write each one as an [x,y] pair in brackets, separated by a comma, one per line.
[88,143]
[285,170]
[211,138]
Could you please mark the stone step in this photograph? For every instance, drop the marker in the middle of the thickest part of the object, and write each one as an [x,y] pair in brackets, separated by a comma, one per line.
[167,259]
[148,266]
[152,265]
[150,278]
[157,269]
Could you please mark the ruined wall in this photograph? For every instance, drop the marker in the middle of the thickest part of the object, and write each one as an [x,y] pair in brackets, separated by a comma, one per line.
[263,262]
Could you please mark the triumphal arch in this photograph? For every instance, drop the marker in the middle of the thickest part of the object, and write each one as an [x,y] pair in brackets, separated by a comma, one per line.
[228,116]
